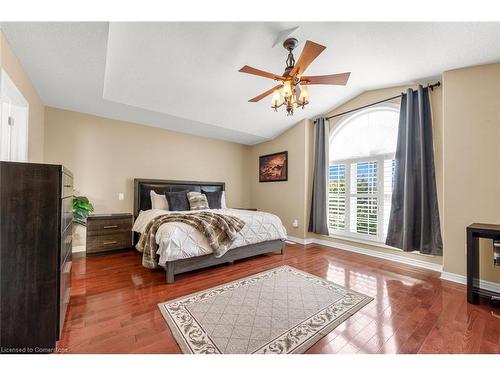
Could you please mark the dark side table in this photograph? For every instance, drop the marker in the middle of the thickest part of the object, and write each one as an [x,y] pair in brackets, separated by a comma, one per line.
[109,232]
[476,231]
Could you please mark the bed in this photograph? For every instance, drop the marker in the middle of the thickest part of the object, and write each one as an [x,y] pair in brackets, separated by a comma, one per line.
[182,248]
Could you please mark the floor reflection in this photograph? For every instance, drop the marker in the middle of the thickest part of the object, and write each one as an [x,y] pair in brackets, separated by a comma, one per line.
[113,308]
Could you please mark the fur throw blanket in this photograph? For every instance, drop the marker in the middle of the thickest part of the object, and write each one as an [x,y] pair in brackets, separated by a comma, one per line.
[219,229]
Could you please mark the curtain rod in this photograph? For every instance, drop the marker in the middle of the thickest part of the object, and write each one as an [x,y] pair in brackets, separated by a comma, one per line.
[437,84]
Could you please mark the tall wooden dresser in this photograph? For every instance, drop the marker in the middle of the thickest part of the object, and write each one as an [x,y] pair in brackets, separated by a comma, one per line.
[35,255]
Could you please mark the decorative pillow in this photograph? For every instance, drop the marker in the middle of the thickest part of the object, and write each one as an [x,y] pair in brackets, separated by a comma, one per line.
[177,200]
[158,201]
[197,201]
[214,198]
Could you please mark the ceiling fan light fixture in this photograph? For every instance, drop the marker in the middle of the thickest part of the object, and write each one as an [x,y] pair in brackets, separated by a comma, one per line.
[293,90]
[304,94]
[287,89]
[277,99]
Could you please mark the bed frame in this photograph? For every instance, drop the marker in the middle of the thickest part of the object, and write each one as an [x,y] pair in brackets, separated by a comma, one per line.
[142,201]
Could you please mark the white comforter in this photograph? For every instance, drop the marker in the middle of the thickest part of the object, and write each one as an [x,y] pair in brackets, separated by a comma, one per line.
[179,240]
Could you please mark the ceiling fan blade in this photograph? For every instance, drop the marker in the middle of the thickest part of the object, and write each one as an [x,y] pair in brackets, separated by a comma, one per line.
[309,53]
[332,79]
[249,70]
[264,94]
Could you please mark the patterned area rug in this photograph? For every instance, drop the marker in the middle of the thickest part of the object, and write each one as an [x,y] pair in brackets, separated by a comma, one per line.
[283,310]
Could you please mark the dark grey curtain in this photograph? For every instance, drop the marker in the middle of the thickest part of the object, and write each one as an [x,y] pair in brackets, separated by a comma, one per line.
[414,221]
[318,219]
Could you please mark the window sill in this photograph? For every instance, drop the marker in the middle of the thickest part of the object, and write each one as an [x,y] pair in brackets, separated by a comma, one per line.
[372,243]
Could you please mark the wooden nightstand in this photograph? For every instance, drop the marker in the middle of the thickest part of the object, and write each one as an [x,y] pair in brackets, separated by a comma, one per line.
[108,232]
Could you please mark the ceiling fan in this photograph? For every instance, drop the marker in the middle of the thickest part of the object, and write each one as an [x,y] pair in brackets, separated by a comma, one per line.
[292,92]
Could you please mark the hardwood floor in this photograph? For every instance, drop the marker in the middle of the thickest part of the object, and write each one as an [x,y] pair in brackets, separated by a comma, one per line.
[113,305]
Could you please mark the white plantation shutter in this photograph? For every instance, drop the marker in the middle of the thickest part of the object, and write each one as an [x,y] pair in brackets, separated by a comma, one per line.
[336,199]
[364,186]
[360,197]
[364,215]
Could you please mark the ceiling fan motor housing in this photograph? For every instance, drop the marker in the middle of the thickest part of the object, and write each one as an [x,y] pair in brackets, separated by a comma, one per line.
[290,44]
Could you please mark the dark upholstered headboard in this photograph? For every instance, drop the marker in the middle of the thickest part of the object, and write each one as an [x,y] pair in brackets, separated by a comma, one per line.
[143,187]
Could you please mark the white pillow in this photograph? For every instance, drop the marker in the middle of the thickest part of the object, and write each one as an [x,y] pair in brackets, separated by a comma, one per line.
[223,200]
[159,201]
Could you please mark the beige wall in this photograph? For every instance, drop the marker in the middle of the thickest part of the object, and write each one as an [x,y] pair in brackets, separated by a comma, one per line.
[287,199]
[291,200]
[14,69]
[106,155]
[471,112]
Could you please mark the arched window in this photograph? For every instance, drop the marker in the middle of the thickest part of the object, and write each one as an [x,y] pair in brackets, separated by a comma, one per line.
[361,171]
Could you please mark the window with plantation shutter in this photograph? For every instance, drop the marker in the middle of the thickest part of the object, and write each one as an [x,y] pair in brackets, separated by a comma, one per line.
[361,173]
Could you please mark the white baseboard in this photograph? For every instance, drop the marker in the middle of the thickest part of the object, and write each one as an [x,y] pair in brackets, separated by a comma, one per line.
[488,285]
[301,241]
[379,254]
[373,253]
[78,249]
[483,284]
[453,277]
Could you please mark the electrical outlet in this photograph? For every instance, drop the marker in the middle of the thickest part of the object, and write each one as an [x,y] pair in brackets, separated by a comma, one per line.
[295,223]
[121,196]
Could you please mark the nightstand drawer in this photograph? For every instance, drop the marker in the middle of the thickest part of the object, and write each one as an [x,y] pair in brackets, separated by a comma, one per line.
[96,244]
[108,226]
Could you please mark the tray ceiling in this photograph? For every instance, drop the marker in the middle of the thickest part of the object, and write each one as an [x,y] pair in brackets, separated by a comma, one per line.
[184,76]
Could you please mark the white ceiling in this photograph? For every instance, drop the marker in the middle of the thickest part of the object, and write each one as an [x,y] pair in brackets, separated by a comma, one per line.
[184,76]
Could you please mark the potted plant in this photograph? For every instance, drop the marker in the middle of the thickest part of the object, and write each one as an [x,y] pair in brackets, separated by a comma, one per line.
[81,211]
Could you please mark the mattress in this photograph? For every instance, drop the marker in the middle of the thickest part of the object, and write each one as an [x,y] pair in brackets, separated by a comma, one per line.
[179,240]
